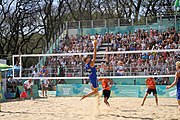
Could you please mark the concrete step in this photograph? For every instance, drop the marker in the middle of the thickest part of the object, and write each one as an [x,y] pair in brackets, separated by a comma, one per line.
[97,60]
[100,51]
[97,64]
[106,44]
[102,48]
[100,55]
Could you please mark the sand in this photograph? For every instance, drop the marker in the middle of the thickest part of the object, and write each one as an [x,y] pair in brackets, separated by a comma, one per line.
[70,108]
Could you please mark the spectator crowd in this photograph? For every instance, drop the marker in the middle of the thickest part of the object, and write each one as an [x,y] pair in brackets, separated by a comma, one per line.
[121,64]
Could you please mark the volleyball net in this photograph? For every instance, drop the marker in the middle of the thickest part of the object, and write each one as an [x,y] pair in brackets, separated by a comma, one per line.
[113,64]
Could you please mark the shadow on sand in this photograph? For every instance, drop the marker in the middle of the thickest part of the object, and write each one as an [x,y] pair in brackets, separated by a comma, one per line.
[127,117]
[19,112]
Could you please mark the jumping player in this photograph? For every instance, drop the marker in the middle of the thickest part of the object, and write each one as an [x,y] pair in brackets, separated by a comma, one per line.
[151,85]
[93,77]
[176,82]
[106,85]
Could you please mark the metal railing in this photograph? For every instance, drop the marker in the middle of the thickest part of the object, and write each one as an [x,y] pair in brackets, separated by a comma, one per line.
[123,22]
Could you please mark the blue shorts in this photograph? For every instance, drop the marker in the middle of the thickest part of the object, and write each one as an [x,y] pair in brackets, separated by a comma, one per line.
[93,80]
[178,95]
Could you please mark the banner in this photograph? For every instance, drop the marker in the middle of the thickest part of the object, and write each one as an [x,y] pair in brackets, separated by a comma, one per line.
[124,91]
[76,90]
[120,81]
[20,89]
[121,29]
[72,89]
[2,98]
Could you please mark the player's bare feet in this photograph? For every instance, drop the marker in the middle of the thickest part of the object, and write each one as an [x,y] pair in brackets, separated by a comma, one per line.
[107,104]
[83,97]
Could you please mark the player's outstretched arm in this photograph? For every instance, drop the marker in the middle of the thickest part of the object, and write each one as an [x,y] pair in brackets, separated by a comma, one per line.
[95,51]
[174,83]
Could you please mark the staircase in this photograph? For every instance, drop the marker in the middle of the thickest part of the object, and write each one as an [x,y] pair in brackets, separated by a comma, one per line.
[50,50]
[99,58]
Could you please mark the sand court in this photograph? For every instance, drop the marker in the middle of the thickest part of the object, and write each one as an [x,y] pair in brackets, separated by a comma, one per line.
[70,108]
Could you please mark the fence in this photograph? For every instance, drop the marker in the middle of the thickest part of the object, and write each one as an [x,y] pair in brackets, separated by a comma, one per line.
[123,24]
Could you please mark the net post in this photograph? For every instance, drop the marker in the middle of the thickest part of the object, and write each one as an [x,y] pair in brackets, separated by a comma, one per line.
[20,62]
[13,65]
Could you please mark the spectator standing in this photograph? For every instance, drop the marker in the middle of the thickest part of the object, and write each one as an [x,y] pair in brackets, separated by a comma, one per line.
[35,73]
[44,81]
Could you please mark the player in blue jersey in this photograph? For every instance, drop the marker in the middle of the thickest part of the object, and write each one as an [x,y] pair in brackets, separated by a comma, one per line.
[89,64]
[177,82]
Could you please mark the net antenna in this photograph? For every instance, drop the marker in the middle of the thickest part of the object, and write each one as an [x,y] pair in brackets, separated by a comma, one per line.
[98,53]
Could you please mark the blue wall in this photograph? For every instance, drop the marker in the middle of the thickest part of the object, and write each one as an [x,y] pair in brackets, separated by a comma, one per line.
[118,81]
[74,90]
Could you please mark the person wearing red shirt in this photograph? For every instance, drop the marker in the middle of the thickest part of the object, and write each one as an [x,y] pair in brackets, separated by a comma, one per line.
[151,85]
[106,85]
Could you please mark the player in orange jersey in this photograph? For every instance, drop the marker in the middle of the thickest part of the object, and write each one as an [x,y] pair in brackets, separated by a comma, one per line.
[151,85]
[106,85]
